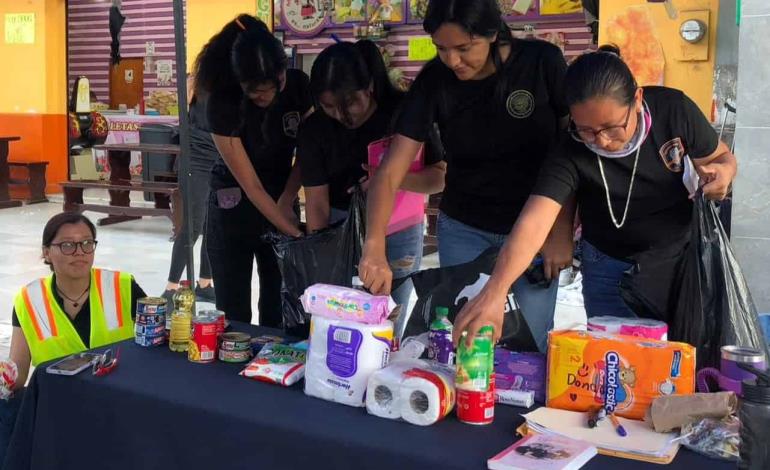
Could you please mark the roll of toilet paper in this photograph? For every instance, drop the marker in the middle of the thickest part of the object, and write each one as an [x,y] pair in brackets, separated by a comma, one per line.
[383,393]
[427,395]
[640,327]
[342,356]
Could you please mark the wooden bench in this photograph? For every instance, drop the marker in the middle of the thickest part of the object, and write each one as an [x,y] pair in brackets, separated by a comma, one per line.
[5,196]
[73,200]
[35,181]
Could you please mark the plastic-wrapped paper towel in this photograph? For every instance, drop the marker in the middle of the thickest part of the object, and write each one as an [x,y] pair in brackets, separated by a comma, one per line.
[344,303]
[640,327]
[419,392]
[342,356]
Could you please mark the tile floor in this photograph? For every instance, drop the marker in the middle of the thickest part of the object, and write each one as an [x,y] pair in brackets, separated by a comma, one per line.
[140,247]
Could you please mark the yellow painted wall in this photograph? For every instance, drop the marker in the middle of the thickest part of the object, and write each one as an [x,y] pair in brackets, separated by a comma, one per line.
[33,95]
[696,79]
[205,18]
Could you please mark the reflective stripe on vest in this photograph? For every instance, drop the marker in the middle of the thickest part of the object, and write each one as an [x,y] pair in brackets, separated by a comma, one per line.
[108,285]
[39,308]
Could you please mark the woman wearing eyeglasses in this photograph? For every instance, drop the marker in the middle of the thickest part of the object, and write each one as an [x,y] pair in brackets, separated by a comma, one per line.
[625,163]
[255,106]
[498,104]
[77,307]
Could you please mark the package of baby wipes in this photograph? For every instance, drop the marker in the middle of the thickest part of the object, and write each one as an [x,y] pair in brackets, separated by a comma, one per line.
[344,303]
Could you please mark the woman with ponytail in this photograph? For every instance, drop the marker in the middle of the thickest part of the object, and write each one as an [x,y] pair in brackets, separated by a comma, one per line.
[255,105]
[498,104]
[356,105]
[627,163]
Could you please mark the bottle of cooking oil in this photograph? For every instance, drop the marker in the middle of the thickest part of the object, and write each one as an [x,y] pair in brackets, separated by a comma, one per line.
[181,317]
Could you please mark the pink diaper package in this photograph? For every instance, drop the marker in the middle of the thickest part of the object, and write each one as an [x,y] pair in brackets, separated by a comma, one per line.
[344,303]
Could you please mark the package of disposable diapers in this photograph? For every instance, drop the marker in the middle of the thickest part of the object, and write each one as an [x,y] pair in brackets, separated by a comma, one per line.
[622,373]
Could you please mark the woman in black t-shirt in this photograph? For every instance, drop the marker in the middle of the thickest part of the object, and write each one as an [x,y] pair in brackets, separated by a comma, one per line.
[357,104]
[498,104]
[632,153]
[255,106]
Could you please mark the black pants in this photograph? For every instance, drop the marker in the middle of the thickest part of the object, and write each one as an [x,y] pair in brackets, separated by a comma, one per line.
[234,242]
[198,206]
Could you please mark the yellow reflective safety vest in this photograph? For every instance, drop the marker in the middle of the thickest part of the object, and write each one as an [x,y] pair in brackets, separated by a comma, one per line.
[50,333]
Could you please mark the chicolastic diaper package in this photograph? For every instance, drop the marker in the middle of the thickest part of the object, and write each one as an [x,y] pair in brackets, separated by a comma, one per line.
[625,374]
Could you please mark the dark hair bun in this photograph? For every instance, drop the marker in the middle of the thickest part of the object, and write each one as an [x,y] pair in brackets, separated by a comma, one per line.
[610,48]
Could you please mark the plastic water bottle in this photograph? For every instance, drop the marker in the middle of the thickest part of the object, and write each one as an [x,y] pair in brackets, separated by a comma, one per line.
[440,348]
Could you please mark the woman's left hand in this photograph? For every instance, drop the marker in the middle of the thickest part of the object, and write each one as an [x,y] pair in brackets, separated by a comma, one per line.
[717,178]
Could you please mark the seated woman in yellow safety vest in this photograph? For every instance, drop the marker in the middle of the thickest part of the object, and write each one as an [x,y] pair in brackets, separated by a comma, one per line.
[77,307]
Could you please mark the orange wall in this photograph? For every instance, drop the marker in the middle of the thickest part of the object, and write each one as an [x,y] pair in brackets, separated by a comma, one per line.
[34,92]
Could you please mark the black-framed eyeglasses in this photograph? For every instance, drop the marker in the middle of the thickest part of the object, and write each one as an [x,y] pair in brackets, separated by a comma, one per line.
[608,133]
[69,248]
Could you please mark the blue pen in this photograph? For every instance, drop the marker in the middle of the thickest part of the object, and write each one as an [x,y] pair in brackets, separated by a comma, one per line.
[618,427]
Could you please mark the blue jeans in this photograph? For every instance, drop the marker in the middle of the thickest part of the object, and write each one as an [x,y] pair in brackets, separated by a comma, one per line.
[601,283]
[404,252]
[459,243]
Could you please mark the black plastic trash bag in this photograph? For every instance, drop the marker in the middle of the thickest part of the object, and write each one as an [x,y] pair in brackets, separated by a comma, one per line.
[698,288]
[452,287]
[328,256]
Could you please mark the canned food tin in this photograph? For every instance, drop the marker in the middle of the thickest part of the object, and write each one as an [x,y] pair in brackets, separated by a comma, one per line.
[220,319]
[149,330]
[235,341]
[149,341]
[150,306]
[234,356]
[151,319]
[203,339]
[475,407]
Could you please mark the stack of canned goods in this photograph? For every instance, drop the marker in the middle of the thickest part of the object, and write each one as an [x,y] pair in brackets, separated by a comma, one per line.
[234,347]
[150,324]
[206,327]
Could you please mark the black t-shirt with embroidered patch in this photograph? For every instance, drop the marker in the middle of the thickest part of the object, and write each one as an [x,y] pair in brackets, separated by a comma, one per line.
[268,135]
[494,142]
[82,321]
[331,154]
[660,210]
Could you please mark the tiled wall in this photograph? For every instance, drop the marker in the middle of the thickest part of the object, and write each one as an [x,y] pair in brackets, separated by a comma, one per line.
[751,204]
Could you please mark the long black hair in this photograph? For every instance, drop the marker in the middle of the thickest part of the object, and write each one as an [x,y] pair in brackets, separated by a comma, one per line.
[346,67]
[600,74]
[243,52]
[478,18]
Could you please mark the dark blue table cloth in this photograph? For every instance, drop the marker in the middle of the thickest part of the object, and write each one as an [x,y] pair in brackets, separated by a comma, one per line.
[159,411]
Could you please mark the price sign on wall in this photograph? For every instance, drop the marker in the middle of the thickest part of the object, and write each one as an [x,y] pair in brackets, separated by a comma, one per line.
[19,28]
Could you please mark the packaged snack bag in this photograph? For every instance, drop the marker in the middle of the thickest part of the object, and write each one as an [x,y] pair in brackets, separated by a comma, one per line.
[622,373]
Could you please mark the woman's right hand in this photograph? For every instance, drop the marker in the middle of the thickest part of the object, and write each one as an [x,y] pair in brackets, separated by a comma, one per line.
[374,270]
[487,308]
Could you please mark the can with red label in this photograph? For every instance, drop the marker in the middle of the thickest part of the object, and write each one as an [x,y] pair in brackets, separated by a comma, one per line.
[203,339]
[475,379]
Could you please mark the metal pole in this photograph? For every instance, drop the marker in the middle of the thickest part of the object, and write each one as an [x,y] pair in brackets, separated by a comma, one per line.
[184,130]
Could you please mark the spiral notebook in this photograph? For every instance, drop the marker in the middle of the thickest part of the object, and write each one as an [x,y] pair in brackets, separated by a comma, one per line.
[642,442]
